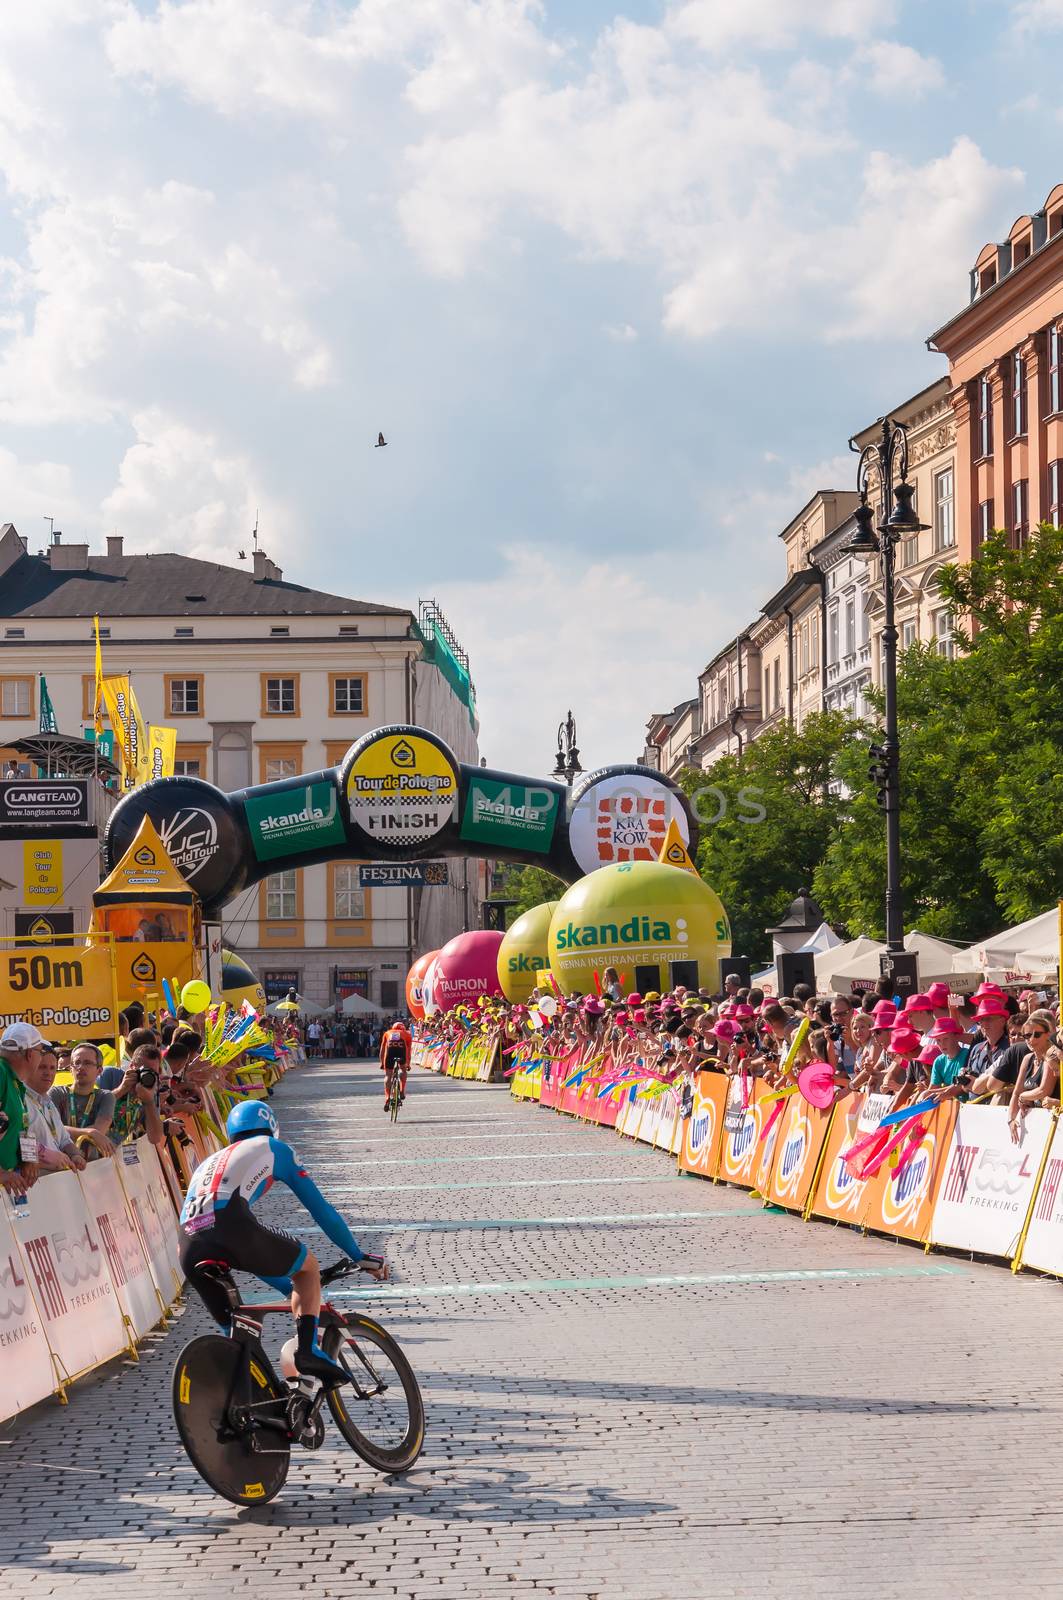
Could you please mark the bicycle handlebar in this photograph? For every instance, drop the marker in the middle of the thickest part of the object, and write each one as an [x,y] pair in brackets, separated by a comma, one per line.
[344,1267]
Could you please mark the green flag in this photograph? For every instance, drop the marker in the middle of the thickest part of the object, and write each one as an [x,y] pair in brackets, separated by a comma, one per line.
[48,722]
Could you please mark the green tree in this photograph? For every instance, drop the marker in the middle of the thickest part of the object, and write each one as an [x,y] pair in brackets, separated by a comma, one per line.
[981,740]
[528,887]
[948,759]
[767,819]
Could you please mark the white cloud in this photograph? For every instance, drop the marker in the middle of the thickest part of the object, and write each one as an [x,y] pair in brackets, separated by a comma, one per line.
[940,213]
[178,489]
[776,24]
[896,70]
[612,643]
[1035,16]
[621,332]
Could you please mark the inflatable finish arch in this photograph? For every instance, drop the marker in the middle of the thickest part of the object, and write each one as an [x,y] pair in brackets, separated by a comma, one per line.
[400,795]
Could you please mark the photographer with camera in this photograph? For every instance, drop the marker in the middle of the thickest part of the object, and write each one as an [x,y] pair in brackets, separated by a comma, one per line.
[136,1110]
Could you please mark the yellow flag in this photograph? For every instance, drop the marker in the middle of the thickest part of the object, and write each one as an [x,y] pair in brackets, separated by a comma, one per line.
[674,852]
[130,735]
[162,751]
[97,699]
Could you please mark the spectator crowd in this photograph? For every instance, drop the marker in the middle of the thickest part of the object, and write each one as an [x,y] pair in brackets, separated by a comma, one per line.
[936,1045]
[161,1073]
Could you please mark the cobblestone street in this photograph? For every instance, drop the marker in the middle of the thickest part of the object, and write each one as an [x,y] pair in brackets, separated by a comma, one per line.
[636,1385]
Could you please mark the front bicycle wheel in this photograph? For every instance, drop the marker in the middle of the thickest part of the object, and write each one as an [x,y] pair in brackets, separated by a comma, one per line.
[211,1379]
[380,1412]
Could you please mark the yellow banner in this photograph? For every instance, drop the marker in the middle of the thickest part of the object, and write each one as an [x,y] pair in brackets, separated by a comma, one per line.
[162,751]
[67,991]
[97,698]
[42,871]
[130,735]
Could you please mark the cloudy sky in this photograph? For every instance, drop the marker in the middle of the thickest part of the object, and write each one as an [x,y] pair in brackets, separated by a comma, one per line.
[617,284]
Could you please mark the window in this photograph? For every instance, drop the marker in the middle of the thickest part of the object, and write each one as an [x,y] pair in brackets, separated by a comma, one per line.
[909,634]
[16,697]
[184,633]
[389,994]
[348,630]
[187,767]
[348,899]
[850,626]
[14,633]
[777,703]
[909,549]
[944,520]
[280,697]
[1020,252]
[766,707]
[1055,368]
[281,897]
[865,617]
[985,416]
[277,767]
[1055,493]
[984,523]
[347,695]
[832,637]
[279,632]
[1018,395]
[943,640]
[184,697]
[1019,507]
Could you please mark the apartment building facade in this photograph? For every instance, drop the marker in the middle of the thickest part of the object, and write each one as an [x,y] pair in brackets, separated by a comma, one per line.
[1005,355]
[262,678]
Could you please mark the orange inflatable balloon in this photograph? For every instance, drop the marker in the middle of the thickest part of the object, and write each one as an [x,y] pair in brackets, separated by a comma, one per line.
[414,992]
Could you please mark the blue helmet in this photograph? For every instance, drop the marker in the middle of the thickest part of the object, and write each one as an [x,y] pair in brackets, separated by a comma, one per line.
[250,1116]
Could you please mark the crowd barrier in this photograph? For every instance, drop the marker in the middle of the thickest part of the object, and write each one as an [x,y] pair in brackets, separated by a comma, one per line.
[955,1181]
[474,1058]
[88,1261]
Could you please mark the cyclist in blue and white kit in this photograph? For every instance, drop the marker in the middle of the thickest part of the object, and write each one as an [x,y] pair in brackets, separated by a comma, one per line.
[217,1224]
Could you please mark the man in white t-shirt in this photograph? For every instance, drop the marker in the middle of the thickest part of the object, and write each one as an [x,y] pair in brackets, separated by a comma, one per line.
[313,1037]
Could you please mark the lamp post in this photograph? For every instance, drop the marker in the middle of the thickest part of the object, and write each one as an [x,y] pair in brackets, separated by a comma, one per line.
[887,457]
[567,765]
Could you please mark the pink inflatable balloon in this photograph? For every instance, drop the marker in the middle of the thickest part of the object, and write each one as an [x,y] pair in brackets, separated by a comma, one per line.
[467,968]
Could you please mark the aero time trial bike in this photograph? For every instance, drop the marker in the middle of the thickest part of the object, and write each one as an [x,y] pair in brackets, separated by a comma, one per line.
[238,1419]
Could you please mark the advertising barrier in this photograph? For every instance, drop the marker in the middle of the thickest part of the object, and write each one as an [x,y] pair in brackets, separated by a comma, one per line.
[799,1141]
[1043,1246]
[989,1181]
[88,1265]
[703,1129]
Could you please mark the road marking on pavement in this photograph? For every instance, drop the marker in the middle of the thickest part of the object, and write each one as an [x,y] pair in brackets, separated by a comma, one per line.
[449,1161]
[492,1183]
[454,1138]
[457,1225]
[671,1280]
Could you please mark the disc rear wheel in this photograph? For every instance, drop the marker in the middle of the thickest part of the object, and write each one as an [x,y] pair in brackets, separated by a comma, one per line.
[380,1412]
[210,1382]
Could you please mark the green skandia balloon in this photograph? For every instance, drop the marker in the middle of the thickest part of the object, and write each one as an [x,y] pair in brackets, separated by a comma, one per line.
[659,926]
[522,955]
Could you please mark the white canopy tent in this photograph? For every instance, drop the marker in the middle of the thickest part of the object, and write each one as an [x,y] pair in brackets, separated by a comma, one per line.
[1029,952]
[938,962]
[307,1008]
[356,1005]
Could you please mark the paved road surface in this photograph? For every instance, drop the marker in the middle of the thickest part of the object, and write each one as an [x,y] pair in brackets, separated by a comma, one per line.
[812,1414]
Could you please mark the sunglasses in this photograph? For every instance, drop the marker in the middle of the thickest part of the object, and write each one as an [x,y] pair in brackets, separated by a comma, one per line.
[1034,1033]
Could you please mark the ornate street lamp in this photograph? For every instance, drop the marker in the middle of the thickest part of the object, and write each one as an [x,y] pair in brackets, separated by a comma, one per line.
[567,765]
[888,457]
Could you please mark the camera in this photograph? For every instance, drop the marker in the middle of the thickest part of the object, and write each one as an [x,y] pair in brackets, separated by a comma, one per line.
[147,1077]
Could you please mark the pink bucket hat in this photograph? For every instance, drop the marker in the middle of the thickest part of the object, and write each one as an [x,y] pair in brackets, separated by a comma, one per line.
[944,1027]
[884,1014]
[904,1041]
[727,1030]
[918,1002]
[992,1006]
[928,1055]
[744,1013]
[938,995]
